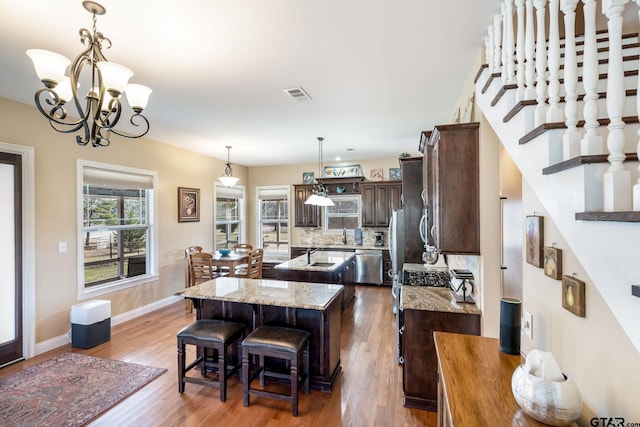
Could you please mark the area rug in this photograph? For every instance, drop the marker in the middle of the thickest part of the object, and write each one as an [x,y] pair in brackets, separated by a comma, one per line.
[70,389]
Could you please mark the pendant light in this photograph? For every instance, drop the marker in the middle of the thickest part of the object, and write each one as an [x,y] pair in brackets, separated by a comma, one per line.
[228,180]
[319,195]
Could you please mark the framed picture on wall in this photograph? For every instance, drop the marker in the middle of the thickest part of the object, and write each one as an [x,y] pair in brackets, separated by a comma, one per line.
[573,298]
[534,240]
[553,262]
[307,178]
[188,204]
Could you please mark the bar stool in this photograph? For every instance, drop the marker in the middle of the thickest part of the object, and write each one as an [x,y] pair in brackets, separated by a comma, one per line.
[214,334]
[277,342]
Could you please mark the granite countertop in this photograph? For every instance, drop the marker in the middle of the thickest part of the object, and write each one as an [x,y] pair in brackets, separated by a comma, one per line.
[331,261]
[348,246]
[314,296]
[428,298]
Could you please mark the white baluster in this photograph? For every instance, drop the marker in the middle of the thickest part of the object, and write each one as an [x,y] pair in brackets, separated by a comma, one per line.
[503,73]
[617,180]
[541,63]
[555,113]
[592,142]
[529,51]
[508,16]
[497,42]
[490,49]
[571,137]
[636,188]
[520,51]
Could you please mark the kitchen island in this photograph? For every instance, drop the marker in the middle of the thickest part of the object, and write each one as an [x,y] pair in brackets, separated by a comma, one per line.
[313,307]
[331,267]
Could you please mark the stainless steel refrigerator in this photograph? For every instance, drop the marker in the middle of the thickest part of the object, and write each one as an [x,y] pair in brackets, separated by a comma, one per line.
[396,251]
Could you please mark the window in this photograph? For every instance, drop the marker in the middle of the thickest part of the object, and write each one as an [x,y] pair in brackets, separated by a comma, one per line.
[273,220]
[117,227]
[229,216]
[344,214]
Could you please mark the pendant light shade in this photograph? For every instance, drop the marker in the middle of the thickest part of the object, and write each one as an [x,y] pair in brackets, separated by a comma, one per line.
[319,196]
[228,180]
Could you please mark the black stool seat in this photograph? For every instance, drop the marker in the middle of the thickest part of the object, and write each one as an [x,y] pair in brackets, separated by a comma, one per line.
[213,334]
[277,342]
[211,330]
[277,338]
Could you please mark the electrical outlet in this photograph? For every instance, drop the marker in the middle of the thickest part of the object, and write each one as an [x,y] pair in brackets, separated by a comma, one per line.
[527,324]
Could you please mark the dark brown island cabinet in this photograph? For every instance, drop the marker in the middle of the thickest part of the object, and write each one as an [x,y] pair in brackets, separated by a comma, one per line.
[423,311]
[379,200]
[451,180]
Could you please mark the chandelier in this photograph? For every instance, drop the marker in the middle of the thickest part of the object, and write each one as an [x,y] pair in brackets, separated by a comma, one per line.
[319,195]
[107,82]
[228,180]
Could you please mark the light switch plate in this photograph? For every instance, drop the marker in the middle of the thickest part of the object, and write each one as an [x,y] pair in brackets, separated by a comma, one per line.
[62,247]
[527,324]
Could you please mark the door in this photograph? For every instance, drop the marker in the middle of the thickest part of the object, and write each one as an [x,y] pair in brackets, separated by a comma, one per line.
[10,258]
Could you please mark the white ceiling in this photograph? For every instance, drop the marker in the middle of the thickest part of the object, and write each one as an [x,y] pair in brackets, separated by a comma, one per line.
[378,71]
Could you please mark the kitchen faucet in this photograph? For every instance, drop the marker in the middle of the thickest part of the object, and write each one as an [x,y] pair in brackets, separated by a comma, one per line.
[344,236]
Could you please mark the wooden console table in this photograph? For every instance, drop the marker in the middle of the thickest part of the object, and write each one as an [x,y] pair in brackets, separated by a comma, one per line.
[474,387]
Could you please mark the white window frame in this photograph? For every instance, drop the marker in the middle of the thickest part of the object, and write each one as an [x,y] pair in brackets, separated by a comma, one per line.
[152,243]
[286,189]
[220,190]
[326,213]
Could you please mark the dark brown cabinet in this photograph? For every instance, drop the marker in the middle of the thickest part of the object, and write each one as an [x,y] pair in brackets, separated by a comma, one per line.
[305,215]
[387,265]
[420,361]
[379,199]
[413,206]
[451,173]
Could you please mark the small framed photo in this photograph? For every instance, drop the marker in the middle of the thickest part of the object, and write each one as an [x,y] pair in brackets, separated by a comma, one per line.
[188,204]
[376,174]
[573,298]
[553,262]
[395,174]
[534,240]
[307,177]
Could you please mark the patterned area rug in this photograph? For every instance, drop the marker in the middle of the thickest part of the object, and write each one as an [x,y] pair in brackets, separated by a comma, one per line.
[69,390]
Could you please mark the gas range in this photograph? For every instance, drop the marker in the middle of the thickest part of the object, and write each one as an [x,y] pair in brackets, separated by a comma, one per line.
[419,275]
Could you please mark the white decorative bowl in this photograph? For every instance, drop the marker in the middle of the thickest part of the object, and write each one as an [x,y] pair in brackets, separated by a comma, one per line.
[557,403]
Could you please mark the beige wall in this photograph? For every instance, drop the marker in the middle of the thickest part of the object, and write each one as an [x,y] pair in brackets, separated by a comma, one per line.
[55,216]
[594,350]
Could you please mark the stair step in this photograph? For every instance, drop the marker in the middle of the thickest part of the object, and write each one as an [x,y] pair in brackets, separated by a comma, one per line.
[627,216]
[583,160]
[561,125]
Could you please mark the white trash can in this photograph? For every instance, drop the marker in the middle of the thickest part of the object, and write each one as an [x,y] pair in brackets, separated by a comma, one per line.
[90,323]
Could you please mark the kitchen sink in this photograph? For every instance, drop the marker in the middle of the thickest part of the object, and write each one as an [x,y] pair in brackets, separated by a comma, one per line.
[322,264]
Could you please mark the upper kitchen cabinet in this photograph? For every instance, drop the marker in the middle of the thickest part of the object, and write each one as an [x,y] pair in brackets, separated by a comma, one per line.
[451,174]
[305,215]
[413,207]
[379,199]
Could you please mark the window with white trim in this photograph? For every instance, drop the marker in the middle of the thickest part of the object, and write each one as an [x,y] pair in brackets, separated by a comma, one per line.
[345,213]
[117,227]
[229,216]
[273,220]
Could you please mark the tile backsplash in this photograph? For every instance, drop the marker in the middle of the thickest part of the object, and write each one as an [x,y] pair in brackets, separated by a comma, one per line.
[316,236]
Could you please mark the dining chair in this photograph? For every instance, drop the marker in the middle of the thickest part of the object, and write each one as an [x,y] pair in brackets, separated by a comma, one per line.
[242,248]
[254,265]
[202,269]
[187,270]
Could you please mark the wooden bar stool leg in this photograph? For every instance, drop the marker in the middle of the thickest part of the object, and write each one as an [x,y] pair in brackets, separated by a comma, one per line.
[294,385]
[222,373]
[262,369]
[181,366]
[245,376]
[305,368]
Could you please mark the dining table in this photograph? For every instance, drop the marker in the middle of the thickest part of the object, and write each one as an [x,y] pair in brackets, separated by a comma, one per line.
[230,261]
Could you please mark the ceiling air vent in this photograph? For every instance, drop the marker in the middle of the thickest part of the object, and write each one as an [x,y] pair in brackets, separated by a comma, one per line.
[297,93]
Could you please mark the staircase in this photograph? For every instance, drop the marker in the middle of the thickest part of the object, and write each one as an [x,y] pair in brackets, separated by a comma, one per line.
[566,110]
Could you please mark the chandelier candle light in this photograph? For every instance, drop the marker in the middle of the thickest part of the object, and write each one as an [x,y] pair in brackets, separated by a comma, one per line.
[228,180]
[319,196]
[108,81]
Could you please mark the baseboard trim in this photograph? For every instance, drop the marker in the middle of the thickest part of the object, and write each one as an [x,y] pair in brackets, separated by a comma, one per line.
[61,340]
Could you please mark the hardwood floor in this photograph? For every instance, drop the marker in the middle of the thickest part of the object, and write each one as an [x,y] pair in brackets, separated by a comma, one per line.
[368,392]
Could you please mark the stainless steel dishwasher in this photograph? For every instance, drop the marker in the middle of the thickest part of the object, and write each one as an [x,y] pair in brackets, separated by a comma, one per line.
[369,266]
